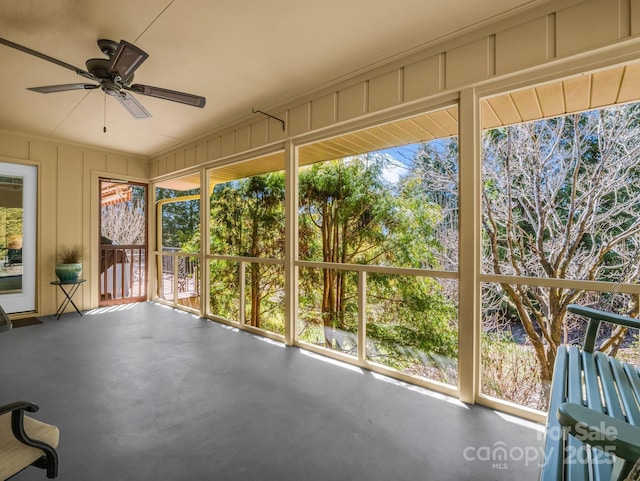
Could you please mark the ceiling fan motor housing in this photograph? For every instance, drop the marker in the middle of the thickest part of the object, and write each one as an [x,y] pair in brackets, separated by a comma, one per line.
[98,67]
[110,84]
[110,88]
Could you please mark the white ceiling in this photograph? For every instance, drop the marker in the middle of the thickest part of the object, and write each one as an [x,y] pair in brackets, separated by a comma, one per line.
[239,54]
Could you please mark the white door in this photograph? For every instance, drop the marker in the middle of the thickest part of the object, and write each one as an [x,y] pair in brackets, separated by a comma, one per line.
[18,199]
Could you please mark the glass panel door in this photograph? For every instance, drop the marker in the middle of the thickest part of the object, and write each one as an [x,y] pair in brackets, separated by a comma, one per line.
[18,194]
[123,242]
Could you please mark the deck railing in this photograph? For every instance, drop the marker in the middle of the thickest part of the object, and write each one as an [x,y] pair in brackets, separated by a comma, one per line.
[179,279]
[123,274]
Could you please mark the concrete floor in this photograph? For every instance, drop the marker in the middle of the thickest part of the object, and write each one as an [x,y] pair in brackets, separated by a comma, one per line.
[151,393]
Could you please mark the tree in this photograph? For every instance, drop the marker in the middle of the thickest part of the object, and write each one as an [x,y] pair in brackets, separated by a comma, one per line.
[180,220]
[561,200]
[348,205]
[124,223]
[350,214]
[11,234]
[247,219]
[433,176]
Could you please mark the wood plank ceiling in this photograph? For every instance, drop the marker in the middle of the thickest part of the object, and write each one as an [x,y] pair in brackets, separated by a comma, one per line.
[575,94]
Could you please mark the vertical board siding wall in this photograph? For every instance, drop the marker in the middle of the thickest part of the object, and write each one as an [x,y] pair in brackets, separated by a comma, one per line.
[553,31]
[66,207]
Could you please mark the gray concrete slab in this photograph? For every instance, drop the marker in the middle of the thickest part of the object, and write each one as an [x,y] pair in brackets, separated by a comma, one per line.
[145,392]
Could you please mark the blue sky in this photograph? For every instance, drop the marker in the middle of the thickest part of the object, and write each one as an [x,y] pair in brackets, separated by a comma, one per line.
[403,155]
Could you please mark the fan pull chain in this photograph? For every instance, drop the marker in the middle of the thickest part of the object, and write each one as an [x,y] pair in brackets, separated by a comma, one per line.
[104,128]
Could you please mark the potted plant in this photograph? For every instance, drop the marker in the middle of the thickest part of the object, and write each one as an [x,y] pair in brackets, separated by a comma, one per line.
[69,264]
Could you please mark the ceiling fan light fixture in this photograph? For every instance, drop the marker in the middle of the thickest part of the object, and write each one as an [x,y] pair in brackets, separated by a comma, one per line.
[110,88]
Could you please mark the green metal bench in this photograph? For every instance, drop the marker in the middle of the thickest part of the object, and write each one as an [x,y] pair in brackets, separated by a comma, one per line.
[594,409]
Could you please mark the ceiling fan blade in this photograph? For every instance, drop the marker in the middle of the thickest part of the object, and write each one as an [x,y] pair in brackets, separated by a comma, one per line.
[166,94]
[127,59]
[134,107]
[43,56]
[62,88]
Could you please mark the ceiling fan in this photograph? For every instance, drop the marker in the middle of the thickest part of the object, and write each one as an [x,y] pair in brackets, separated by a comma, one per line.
[114,76]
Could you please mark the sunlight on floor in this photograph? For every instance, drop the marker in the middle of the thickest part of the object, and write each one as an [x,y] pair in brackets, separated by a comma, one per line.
[273,342]
[329,360]
[521,422]
[419,390]
[107,309]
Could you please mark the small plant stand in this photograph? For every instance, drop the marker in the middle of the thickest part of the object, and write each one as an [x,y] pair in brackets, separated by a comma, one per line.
[68,294]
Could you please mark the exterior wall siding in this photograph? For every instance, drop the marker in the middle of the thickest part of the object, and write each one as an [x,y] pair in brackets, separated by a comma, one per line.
[67,206]
[552,32]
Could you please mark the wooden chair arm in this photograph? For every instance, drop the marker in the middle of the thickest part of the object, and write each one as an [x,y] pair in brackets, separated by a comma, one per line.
[601,431]
[595,317]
